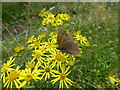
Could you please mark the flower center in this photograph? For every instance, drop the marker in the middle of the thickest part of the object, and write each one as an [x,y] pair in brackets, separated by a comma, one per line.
[37,54]
[50,45]
[81,38]
[62,76]
[37,44]
[28,77]
[47,69]
[13,76]
[59,57]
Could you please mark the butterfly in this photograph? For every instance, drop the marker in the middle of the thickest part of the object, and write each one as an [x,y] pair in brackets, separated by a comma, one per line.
[67,44]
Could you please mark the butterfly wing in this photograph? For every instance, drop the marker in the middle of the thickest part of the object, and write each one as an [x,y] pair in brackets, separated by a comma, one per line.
[66,44]
[70,47]
[63,36]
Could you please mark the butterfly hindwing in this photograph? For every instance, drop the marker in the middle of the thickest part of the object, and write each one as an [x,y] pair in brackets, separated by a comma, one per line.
[71,47]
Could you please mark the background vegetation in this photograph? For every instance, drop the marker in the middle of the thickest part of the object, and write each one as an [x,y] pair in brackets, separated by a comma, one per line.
[97,21]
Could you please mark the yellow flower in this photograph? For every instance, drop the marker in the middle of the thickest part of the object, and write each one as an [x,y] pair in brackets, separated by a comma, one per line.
[17,49]
[31,39]
[7,68]
[50,44]
[27,75]
[30,64]
[81,38]
[51,17]
[65,17]
[57,16]
[113,80]
[13,77]
[35,44]
[71,63]
[42,48]
[87,44]
[53,37]
[45,21]
[66,25]
[77,33]
[54,24]
[60,58]
[22,48]
[43,13]
[15,54]
[47,70]
[63,78]
[38,54]
[41,36]
[59,21]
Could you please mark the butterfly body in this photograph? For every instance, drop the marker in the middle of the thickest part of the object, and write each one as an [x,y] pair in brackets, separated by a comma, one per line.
[67,44]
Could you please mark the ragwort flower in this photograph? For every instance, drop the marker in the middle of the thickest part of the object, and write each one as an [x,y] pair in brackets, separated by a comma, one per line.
[19,48]
[113,79]
[59,21]
[47,70]
[7,67]
[59,58]
[65,17]
[27,75]
[63,78]
[31,39]
[37,54]
[30,64]
[43,13]
[13,78]
[80,38]
[45,21]
[51,17]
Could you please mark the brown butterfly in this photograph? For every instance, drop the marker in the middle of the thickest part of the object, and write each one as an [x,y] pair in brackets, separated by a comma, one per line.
[66,43]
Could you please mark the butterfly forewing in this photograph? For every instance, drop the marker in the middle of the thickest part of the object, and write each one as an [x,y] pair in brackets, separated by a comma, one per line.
[63,36]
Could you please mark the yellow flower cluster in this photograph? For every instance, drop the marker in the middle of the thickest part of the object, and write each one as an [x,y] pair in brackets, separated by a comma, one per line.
[54,20]
[48,63]
[51,59]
